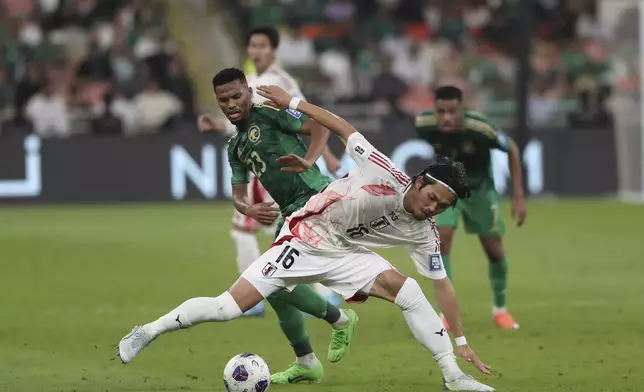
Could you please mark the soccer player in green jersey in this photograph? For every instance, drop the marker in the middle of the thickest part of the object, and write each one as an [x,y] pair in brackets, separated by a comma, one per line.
[468,137]
[268,144]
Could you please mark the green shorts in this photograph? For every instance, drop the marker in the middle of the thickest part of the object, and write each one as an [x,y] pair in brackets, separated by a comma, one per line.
[481,213]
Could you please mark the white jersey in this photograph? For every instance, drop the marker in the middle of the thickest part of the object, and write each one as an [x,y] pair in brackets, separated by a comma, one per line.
[365,210]
[274,75]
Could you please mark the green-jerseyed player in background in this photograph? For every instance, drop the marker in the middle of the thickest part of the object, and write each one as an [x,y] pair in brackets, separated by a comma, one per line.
[268,144]
[468,137]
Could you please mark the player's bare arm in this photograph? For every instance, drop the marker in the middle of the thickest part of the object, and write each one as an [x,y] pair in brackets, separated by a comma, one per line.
[327,119]
[318,138]
[516,177]
[264,213]
[332,162]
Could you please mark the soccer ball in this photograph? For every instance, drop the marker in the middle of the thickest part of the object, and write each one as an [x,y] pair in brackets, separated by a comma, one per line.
[247,373]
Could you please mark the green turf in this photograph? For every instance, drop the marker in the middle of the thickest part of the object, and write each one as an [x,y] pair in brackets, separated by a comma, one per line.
[74,280]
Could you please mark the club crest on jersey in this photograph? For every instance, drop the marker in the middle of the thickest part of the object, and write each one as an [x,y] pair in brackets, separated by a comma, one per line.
[379,223]
[294,113]
[253,133]
[269,269]
[435,262]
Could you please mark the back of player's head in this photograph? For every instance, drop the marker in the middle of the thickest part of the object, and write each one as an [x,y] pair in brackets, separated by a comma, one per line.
[228,75]
[448,93]
[270,33]
[449,172]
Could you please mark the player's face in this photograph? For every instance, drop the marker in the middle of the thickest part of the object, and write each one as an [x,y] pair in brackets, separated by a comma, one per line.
[260,51]
[235,100]
[430,200]
[449,114]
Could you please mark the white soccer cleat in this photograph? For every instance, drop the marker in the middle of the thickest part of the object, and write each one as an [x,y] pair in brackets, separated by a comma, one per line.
[466,383]
[132,344]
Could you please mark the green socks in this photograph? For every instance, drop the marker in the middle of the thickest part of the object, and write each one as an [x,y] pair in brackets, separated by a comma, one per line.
[498,273]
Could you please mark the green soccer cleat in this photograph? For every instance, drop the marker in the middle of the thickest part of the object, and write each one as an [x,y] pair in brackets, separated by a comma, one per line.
[341,338]
[297,373]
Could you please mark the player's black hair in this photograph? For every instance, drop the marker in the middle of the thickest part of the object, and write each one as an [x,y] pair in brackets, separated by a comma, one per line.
[447,93]
[270,32]
[228,75]
[450,172]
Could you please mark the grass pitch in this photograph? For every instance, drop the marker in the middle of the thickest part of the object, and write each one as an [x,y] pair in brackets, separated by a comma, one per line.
[74,280]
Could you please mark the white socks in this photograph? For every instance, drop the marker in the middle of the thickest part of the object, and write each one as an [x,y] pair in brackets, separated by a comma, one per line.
[342,321]
[247,249]
[195,311]
[427,328]
[308,361]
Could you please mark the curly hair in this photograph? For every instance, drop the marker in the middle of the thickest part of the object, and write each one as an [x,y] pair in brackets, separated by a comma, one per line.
[450,172]
[228,75]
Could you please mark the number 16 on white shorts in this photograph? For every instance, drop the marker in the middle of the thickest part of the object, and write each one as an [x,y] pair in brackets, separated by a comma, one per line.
[294,263]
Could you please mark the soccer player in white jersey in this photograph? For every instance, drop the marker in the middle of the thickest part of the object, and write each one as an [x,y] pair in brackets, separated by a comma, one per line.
[376,205]
[261,46]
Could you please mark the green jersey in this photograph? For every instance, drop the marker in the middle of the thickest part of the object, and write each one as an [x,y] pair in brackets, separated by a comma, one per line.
[269,134]
[471,145]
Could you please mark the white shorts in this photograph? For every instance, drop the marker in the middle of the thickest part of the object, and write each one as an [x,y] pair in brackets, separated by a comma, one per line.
[292,263]
[256,194]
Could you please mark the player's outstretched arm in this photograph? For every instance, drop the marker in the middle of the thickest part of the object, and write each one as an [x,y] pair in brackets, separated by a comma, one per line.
[446,297]
[329,120]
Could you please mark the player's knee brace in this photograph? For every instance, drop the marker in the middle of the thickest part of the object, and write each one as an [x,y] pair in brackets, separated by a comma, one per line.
[410,295]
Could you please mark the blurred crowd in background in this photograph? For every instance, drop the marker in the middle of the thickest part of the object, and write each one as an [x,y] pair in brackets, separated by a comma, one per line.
[111,67]
[89,66]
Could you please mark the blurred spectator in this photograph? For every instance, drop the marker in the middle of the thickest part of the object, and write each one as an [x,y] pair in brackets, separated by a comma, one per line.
[179,84]
[48,113]
[30,84]
[294,49]
[107,123]
[336,65]
[117,105]
[414,66]
[155,108]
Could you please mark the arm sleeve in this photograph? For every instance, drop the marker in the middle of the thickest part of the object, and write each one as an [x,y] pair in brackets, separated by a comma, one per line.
[493,136]
[238,170]
[368,159]
[425,125]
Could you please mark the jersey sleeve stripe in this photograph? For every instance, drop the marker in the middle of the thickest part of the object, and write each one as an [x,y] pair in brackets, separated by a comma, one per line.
[396,174]
[391,166]
[437,247]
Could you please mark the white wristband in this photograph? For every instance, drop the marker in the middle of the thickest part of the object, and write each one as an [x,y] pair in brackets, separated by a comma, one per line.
[294,102]
[460,341]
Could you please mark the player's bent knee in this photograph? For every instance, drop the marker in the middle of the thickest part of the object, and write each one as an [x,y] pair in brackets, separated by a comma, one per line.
[387,285]
[245,294]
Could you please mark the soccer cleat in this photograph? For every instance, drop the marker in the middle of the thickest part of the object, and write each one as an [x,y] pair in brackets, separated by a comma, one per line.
[132,344]
[256,311]
[504,320]
[297,373]
[341,338]
[465,383]
[445,324]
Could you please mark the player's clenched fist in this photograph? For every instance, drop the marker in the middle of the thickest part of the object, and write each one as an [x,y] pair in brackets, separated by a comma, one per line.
[468,355]
[275,94]
[264,213]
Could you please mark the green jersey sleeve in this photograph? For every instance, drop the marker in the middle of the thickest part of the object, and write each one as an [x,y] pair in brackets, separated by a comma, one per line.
[426,125]
[288,121]
[490,135]
[238,170]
